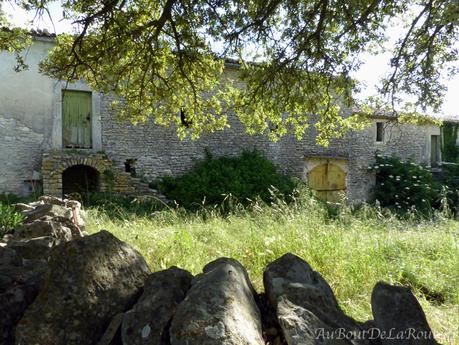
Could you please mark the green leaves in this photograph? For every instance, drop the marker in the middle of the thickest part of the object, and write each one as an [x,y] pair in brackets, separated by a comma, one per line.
[166,57]
[9,219]
[245,178]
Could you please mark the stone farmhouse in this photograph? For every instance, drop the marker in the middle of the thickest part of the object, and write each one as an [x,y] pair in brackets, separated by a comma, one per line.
[56,136]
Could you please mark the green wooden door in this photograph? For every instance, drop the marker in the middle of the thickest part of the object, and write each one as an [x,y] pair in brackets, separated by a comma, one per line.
[76,119]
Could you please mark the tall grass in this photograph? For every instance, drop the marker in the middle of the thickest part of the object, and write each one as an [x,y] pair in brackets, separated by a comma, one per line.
[352,249]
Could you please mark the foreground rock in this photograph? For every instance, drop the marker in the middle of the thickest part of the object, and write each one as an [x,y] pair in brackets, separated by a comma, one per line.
[219,309]
[89,281]
[148,321]
[19,285]
[397,313]
[306,307]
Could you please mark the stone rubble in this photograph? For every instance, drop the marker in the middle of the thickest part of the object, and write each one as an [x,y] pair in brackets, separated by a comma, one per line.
[60,287]
[24,255]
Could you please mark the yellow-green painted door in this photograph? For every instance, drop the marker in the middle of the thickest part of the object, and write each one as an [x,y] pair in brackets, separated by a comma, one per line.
[328,180]
[76,119]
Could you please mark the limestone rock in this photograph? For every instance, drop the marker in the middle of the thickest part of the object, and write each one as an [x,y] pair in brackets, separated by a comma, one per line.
[20,207]
[396,311]
[77,215]
[47,210]
[56,227]
[19,285]
[52,200]
[112,334]
[89,280]
[219,309]
[9,256]
[147,322]
[34,248]
[306,307]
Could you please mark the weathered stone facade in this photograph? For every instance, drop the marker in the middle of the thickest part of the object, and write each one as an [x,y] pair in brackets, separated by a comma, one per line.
[159,151]
[33,127]
[408,142]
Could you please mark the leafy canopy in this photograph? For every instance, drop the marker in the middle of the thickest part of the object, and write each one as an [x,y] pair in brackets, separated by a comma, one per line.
[166,57]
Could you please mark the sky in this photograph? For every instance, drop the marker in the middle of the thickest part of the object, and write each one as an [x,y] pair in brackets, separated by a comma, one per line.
[373,68]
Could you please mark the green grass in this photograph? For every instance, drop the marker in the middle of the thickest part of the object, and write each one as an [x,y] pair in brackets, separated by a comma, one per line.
[353,250]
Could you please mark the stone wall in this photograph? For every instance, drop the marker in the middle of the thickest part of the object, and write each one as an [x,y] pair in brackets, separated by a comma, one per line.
[159,151]
[402,140]
[25,119]
[31,117]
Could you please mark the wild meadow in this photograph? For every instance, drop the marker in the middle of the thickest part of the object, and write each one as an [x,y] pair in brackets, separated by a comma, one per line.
[353,248]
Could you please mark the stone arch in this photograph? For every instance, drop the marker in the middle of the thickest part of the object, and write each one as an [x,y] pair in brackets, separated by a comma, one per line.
[80,179]
[54,166]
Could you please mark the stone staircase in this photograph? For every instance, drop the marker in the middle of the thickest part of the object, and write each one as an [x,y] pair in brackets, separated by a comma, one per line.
[140,188]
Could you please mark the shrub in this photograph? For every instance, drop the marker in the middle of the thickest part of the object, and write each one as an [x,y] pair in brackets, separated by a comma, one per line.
[9,219]
[403,186]
[244,177]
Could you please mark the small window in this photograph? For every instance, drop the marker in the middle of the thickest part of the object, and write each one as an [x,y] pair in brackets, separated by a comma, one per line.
[379,132]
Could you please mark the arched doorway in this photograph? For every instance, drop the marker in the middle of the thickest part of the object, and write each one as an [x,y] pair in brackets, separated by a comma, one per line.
[328,180]
[80,179]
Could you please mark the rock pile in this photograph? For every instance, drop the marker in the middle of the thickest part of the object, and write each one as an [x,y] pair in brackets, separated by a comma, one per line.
[98,290]
[24,255]
[48,222]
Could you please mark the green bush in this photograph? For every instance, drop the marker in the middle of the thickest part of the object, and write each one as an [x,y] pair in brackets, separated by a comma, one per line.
[404,186]
[9,219]
[244,177]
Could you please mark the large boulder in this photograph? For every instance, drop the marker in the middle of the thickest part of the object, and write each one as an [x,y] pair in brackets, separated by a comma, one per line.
[9,256]
[20,282]
[306,307]
[112,334]
[89,280]
[148,321]
[398,317]
[219,309]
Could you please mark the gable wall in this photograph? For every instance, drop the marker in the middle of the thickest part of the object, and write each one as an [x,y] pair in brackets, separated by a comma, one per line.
[26,118]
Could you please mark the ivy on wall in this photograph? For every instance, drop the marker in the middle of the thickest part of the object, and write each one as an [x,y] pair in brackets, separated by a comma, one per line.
[450,150]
